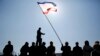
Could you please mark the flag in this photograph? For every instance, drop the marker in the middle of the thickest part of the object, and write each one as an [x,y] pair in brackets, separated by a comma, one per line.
[47,7]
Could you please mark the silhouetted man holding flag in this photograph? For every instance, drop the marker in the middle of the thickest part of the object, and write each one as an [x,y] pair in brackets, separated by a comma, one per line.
[39,39]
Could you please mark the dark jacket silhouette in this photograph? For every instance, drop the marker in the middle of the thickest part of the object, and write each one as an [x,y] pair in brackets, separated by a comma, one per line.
[77,51]
[39,39]
[43,49]
[38,51]
[96,48]
[87,49]
[7,51]
[51,50]
[24,50]
[32,50]
[66,50]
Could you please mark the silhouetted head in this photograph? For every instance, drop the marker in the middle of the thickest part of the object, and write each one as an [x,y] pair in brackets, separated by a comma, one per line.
[43,43]
[26,43]
[77,44]
[97,42]
[87,42]
[66,43]
[33,43]
[9,42]
[51,43]
[39,28]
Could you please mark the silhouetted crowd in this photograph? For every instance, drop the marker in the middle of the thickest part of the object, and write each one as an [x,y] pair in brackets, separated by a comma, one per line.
[42,50]
[39,48]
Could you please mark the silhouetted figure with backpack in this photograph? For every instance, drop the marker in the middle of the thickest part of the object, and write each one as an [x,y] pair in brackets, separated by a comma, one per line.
[96,48]
[8,49]
[51,50]
[32,49]
[66,50]
[24,50]
[39,39]
[87,49]
[43,49]
[77,50]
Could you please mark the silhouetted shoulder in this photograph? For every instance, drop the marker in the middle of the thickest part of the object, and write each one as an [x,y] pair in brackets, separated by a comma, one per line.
[8,49]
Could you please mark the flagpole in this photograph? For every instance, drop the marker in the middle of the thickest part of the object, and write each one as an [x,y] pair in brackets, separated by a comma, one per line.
[51,26]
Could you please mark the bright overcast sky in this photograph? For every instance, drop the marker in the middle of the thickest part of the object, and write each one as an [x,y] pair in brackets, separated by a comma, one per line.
[75,20]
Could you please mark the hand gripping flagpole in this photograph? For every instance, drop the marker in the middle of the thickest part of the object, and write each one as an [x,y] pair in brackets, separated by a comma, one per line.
[51,25]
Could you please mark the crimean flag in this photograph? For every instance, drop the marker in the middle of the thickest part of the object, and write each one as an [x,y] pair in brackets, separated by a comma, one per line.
[47,7]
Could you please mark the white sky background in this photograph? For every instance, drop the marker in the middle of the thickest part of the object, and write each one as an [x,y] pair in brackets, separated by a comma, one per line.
[75,20]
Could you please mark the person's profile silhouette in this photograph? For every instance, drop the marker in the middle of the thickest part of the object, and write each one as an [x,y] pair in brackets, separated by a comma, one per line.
[77,50]
[96,47]
[51,50]
[8,49]
[66,49]
[43,49]
[87,49]
[39,39]
[25,49]
[32,49]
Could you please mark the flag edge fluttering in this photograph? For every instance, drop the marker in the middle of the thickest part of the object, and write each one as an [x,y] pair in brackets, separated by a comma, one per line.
[48,9]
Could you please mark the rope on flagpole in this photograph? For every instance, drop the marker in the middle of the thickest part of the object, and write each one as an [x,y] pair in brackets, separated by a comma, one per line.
[51,26]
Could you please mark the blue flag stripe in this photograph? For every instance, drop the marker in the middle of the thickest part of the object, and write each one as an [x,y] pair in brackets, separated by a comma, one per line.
[46,2]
